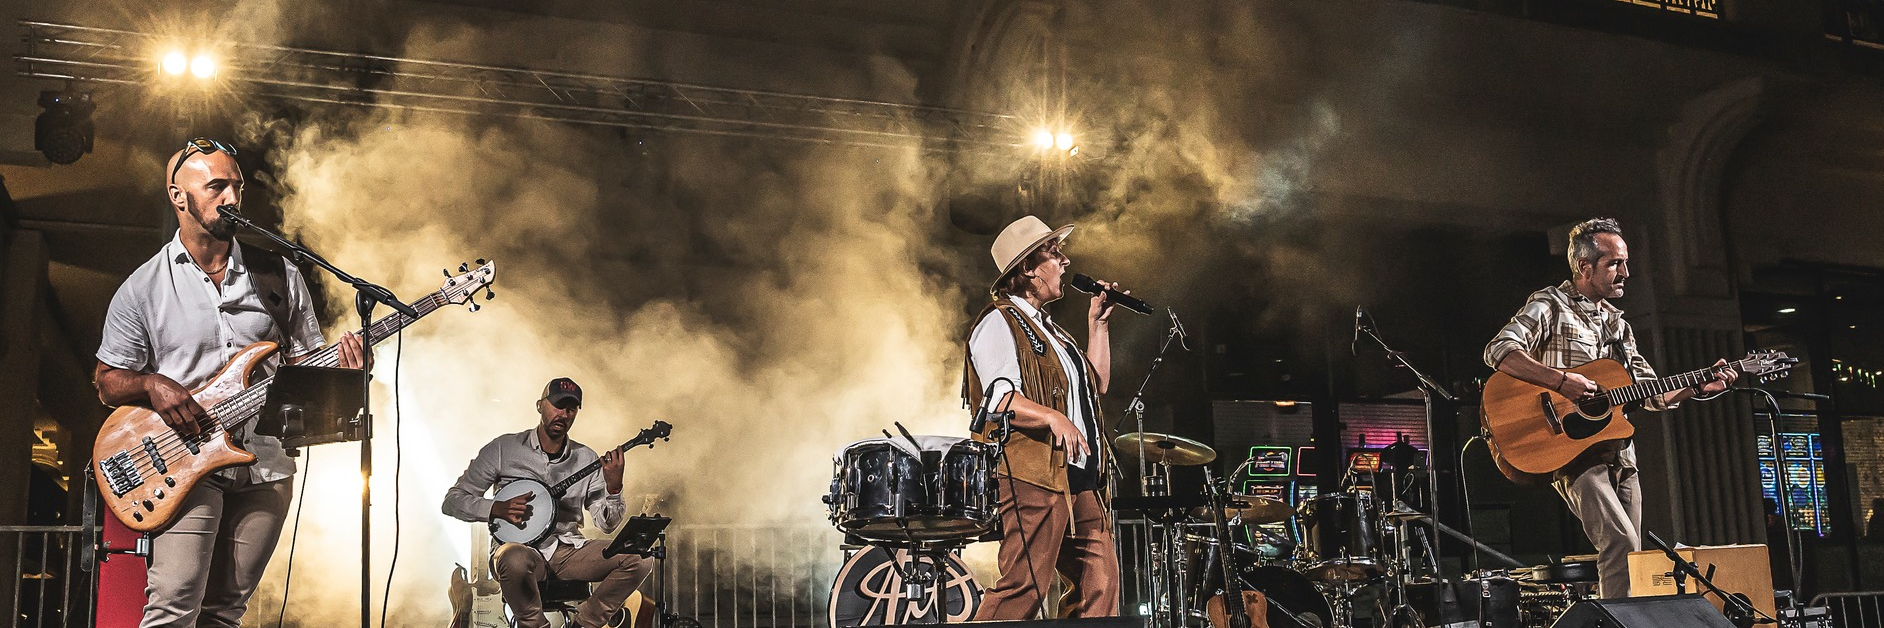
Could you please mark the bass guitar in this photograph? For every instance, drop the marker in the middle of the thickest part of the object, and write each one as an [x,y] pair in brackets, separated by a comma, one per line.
[145,469]
[543,498]
[1534,431]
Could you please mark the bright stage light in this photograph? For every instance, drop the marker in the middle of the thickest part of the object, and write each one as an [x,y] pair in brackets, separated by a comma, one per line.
[175,63]
[1063,141]
[203,66]
[1043,139]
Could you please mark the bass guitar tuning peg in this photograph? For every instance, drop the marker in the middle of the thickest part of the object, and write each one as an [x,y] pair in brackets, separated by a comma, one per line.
[464,268]
[447,272]
[480,261]
[489,294]
[475,307]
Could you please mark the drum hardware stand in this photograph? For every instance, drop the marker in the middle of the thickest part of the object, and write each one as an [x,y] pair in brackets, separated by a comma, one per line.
[1136,408]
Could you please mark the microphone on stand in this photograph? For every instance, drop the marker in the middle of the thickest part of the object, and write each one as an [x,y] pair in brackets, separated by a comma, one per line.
[1354,345]
[1087,285]
[1177,329]
[989,401]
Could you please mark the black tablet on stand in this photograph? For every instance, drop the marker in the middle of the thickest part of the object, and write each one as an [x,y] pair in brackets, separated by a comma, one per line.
[638,537]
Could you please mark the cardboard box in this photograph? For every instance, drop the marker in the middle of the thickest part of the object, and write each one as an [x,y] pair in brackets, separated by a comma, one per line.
[1740,569]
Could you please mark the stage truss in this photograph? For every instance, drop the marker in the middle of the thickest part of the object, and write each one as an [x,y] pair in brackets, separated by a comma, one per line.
[85,54]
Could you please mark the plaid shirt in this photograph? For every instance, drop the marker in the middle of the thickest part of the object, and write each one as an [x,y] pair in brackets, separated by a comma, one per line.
[1561,328]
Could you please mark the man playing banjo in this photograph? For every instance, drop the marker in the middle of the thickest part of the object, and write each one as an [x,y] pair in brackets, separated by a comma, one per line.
[547,455]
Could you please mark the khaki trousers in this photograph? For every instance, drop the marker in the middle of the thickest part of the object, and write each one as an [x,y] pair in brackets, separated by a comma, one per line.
[519,567]
[204,568]
[1605,498]
[1036,544]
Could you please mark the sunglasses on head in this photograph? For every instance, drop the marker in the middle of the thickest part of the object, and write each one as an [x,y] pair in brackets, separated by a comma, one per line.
[202,145]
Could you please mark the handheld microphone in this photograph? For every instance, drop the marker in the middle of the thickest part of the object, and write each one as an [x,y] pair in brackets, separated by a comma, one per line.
[1087,285]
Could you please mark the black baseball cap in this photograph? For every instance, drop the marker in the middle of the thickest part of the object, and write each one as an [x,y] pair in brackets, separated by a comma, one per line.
[562,388]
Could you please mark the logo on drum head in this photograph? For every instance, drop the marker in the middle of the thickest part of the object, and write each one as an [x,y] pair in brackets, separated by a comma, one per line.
[871,591]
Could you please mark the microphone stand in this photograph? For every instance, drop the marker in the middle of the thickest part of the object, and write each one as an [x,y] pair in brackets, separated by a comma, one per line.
[1429,388]
[1782,481]
[1738,609]
[366,296]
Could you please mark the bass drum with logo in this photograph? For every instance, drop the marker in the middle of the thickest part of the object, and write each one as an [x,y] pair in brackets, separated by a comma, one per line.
[871,590]
[1294,601]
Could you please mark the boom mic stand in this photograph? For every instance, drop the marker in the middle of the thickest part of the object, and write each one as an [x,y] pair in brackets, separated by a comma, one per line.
[366,296]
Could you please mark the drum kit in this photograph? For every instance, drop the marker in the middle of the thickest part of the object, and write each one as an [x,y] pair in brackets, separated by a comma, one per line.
[1337,559]
[908,504]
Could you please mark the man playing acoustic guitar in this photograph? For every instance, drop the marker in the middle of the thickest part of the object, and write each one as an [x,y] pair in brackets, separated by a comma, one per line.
[172,326]
[1569,325]
[547,455]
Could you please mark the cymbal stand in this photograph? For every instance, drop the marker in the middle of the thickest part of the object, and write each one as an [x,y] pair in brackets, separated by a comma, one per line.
[1137,407]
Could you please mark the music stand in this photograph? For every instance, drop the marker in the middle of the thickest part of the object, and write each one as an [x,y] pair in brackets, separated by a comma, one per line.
[310,405]
[638,537]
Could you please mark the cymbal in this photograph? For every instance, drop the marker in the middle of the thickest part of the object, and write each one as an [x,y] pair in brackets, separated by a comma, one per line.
[1253,509]
[1176,451]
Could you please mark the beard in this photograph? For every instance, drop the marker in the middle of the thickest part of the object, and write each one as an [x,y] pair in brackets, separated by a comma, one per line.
[216,226]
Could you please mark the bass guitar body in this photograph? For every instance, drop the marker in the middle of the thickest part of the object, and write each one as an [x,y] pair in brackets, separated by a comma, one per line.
[1254,603]
[1535,431]
[146,469]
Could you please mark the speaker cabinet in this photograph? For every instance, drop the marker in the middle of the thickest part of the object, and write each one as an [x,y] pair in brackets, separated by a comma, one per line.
[1667,611]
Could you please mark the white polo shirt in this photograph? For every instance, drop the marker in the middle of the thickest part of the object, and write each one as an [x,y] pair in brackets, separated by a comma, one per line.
[168,317]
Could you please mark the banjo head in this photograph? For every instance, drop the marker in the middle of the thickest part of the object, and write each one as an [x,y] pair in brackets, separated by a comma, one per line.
[542,513]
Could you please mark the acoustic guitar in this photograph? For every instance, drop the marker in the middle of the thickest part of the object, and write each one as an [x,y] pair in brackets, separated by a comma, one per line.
[1534,431]
[145,468]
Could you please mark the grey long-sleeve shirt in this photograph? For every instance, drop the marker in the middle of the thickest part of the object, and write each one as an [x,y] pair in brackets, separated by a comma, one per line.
[520,455]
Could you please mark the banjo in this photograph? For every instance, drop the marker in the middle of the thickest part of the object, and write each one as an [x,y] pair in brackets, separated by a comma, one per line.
[543,504]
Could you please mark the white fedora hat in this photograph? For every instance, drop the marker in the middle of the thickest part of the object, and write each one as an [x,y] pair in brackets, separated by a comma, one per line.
[1019,239]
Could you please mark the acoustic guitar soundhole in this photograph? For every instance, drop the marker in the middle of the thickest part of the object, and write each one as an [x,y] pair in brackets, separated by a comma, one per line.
[1592,417]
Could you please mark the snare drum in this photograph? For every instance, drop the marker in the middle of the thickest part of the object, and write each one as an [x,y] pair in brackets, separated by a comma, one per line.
[1338,541]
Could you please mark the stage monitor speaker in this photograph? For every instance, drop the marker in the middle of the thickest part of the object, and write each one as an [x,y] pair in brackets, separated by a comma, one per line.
[1666,611]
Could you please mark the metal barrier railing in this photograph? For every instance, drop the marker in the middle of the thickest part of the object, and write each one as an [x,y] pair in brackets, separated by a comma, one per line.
[752,576]
[1859,609]
[53,578]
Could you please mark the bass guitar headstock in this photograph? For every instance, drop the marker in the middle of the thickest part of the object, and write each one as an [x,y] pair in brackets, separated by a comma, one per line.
[463,287]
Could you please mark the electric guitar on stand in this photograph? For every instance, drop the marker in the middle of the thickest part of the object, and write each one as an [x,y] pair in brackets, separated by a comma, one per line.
[543,498]
[145,468]
[1534,431]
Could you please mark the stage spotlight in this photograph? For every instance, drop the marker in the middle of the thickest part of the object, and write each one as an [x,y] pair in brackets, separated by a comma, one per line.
[203,66]
[1043,139]
[1063,141]
[175,64]
[63,132]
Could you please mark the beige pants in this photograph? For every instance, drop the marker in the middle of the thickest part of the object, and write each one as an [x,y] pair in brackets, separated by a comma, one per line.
[1035,544]
[205,566]
[1605,498]
[519,567]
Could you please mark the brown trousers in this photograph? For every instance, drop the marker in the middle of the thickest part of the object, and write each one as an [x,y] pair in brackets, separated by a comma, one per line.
[1036,543]
[519,567]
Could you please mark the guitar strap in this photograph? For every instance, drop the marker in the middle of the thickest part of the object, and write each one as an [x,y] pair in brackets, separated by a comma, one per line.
[269,272]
